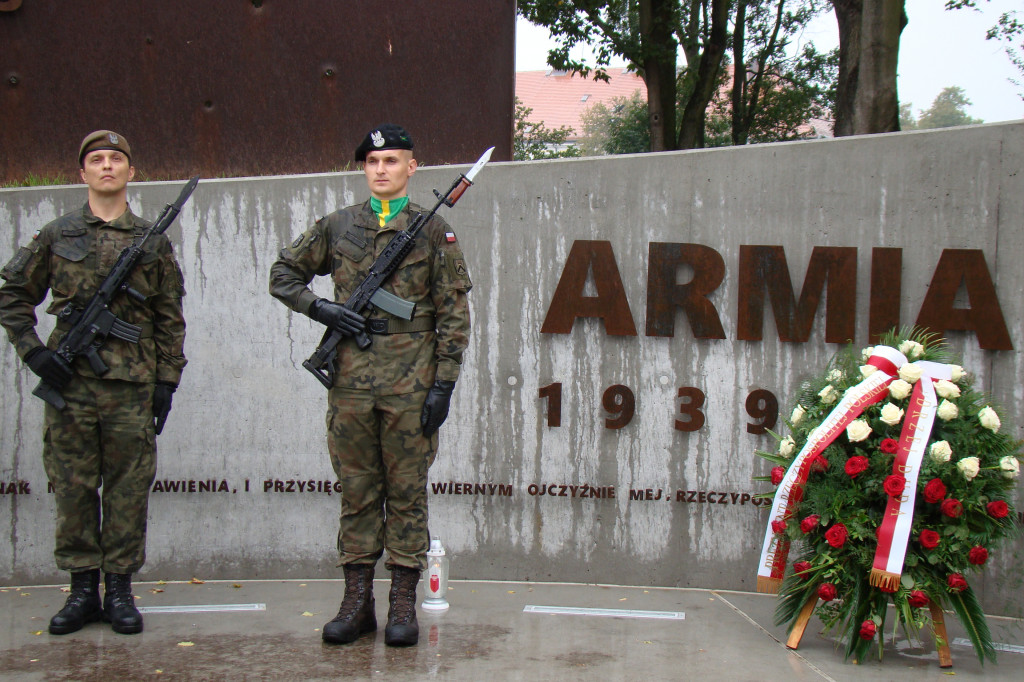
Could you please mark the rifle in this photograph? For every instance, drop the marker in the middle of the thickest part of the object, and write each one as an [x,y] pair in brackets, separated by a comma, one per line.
[90,326]
[322,362]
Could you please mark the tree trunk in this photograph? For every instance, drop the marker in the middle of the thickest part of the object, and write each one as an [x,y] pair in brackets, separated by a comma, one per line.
[739,76]
[869,43]
[659,63]
[691,132]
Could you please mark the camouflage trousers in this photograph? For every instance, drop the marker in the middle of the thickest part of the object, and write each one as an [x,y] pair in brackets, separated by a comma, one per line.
[381,458]
[103,438]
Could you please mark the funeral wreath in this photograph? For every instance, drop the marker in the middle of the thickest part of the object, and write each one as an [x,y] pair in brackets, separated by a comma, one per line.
[893,487]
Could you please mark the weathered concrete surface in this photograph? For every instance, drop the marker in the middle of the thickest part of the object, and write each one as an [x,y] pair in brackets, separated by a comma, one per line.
[247,414]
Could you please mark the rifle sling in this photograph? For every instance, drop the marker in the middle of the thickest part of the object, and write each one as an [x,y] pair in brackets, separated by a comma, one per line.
[382,326]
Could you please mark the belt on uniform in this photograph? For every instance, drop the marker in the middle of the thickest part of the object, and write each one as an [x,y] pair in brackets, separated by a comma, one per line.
[397,326]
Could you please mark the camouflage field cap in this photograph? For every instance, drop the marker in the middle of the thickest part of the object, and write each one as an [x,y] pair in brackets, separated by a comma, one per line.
[385,136]
[104,139]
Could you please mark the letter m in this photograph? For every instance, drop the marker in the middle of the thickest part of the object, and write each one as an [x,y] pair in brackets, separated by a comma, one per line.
[763,269]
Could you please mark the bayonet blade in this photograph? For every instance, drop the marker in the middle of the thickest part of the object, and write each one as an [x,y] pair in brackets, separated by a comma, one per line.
[480,163]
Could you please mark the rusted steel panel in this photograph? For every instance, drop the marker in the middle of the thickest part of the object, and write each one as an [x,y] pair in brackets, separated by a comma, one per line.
[252,87]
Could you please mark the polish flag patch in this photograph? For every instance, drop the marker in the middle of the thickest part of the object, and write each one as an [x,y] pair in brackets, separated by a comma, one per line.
[449,237]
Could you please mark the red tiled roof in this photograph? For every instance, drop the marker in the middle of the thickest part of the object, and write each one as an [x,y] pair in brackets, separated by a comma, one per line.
[558,99]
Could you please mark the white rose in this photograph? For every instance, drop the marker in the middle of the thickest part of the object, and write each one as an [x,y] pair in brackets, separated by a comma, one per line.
[858,430]
[912,349]
[947,411]
[969,467]
[787,446]
[1010,466]
[989,419]
[947,389]
[867,370]
[835,375]
[900,389]
[957,372]
[798,415]
[911,372]
[940,451]
[866,353]
[828,395]
[891,414]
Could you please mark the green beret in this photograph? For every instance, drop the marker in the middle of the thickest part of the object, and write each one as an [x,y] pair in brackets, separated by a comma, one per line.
[104,139]
[386,136]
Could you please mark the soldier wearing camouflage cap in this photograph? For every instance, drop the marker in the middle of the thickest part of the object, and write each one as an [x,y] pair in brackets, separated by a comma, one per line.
[388,401]
[106,435]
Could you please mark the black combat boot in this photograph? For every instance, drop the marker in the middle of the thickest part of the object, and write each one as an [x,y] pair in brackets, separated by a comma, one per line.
[402,629]
[357,614]
[119,604]
[82,606]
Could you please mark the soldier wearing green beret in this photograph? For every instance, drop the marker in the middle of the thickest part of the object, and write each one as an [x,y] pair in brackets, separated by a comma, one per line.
[106,435]
[388,401]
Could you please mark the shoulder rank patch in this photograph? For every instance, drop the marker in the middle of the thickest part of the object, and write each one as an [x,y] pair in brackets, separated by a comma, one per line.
[298,240]
[460,267]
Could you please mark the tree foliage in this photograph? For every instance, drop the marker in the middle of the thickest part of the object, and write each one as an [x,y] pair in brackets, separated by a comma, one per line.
[948,109]
[533,140]
[618,128]
[755,35]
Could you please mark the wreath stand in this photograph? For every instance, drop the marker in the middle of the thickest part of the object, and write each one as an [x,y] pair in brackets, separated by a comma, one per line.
[938,627]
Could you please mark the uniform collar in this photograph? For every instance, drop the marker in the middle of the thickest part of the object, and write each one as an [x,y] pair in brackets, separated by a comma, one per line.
[125,221]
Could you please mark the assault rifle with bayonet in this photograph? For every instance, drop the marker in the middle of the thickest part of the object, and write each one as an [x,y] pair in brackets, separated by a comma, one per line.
[322,363]
[91,325]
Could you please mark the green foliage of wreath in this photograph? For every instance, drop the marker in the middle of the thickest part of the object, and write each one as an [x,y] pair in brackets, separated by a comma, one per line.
[944,545]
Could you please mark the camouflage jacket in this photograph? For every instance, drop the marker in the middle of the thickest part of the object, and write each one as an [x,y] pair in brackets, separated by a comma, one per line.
[433,276]
[69,258]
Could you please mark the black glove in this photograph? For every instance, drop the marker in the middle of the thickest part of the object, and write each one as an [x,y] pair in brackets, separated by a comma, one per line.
[162,394]
[435,407]
[49,367]
[337,317]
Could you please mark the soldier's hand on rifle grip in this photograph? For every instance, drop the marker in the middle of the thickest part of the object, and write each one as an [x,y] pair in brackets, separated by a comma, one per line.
[435,407]
[337,317]
[162,394]
[49,367]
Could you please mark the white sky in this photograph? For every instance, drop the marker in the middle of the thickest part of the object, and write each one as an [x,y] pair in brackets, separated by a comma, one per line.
[937,49]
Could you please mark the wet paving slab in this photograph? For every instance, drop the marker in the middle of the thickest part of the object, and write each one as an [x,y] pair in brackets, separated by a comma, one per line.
[256,630]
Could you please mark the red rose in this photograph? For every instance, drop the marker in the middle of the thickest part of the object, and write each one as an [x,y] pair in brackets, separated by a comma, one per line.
[934,491]
[826,592]
[778,526]
[917,599]
[802,567]
[894,485]
[819,463]
[888,446]
[929,539]
[809,523]
[836,535]
[867,630]
[978,555]
[952,508]
[956,582]
[997,509]
[856,465]
[778,473]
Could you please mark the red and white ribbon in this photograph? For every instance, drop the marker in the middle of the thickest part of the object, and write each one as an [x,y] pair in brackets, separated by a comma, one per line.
[775,549]
[894,533]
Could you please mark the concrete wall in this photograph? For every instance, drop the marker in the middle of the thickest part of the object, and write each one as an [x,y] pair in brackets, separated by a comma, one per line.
[247,416]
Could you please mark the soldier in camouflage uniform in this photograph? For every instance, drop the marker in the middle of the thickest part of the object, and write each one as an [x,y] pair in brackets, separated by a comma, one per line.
[106,435]
[388,401]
